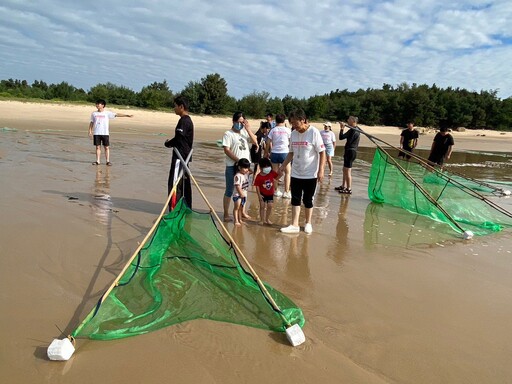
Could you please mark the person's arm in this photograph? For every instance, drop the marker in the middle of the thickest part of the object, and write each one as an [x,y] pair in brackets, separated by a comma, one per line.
[401,141]
[321,167]
[229,153]
[449,152]
[415,143]
[123,115]
[287,160]
[343,136]
[252,136]
[333,141]
[91,124]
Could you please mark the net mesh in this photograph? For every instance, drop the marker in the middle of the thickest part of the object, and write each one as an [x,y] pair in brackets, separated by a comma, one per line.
[452,200]
[186,271]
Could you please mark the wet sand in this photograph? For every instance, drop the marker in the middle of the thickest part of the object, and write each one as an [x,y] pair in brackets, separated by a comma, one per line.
[387,296]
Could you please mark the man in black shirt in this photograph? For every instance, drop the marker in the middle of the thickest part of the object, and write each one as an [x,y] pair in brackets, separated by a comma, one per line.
[441,147]
[182,141]
[408,140]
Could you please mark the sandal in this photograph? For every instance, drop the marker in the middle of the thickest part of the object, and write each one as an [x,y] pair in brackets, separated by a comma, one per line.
[95,163]
[340,188]
[346,191]
[109,163]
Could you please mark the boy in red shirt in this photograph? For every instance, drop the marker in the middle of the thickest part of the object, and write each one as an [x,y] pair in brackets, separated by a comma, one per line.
[264,184]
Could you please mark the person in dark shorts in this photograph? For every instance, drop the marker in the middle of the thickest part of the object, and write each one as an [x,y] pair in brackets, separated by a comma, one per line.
[408,140]
[99,129]
[352,136]
[183,140]
[259,150]
[441,147]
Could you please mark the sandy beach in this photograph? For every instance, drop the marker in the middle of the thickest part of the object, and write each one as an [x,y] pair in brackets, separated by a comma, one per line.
[388,297]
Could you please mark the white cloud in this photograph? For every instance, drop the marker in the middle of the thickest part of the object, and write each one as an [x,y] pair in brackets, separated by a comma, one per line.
[295,47]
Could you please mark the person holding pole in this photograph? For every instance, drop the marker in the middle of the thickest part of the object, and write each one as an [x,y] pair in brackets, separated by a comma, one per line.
[183,140]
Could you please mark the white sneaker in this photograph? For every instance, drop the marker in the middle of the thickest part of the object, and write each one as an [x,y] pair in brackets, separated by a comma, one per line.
[308,228]
[287,195]
[290,229]
[278,193]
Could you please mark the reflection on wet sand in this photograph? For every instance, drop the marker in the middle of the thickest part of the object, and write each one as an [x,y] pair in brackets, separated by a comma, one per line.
[395,227]
[102,204]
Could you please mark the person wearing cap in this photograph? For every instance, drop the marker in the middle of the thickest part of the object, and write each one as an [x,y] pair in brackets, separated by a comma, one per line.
[329,139]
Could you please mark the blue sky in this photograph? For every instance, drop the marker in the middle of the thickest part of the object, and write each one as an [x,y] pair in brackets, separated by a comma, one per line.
[300,48]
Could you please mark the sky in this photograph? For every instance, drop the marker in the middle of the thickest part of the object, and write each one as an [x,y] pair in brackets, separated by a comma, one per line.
[298,48]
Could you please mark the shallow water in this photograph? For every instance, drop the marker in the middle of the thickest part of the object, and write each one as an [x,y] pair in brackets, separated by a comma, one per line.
[388,296]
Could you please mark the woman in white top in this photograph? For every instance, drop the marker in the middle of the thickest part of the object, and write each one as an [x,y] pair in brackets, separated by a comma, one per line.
[236,143]
[307,151]
[329,139]
[279,146]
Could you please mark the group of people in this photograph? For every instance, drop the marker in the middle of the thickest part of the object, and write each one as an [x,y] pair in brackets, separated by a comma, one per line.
[440,150]
[297,154]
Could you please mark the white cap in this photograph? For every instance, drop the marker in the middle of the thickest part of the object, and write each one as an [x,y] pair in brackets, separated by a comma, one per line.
[327,124]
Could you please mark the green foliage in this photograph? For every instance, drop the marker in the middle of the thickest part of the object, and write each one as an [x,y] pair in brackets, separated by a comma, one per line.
[429,106]
[254,105]
[214,94]
[155,96]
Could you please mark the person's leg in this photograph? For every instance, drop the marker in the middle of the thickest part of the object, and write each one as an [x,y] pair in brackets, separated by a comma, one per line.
[329,163]
[295,215]
[287,177]
[229,174]
[309,193]
[349,178]
[98,153]
[107,154]
[268,212]
[296,191]
[237,209]
[345,177]
[262,211]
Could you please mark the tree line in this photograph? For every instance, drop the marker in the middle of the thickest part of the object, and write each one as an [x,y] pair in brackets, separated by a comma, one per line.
[428,106]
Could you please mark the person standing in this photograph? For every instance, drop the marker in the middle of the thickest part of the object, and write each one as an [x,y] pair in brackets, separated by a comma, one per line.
[442,147]
[183,140]
[236,143]
[278,144]
[408,140]
[307,155]
[99,129]
[330,144]
[352,136]
[270,120]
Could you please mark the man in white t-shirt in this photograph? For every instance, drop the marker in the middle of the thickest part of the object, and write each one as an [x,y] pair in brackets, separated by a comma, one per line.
[279,146]
[307,151]
[99,129]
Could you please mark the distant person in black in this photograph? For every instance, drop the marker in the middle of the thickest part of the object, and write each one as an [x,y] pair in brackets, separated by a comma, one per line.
[408,140]
[259,150]
[182,141]
[352,136]
[441,147]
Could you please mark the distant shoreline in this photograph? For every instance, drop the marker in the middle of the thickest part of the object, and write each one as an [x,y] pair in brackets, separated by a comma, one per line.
[28,115]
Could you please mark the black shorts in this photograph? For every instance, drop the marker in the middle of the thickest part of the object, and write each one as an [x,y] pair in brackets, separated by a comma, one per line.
[303,189]
[101,139]
[349,157]
[267,199]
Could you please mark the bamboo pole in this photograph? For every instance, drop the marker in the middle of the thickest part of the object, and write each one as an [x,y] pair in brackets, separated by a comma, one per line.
[237,249]
[134,255]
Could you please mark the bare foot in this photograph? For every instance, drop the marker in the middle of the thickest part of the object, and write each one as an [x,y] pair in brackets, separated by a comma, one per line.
[227,219]
[246,216]
[268,222]
[238,224]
